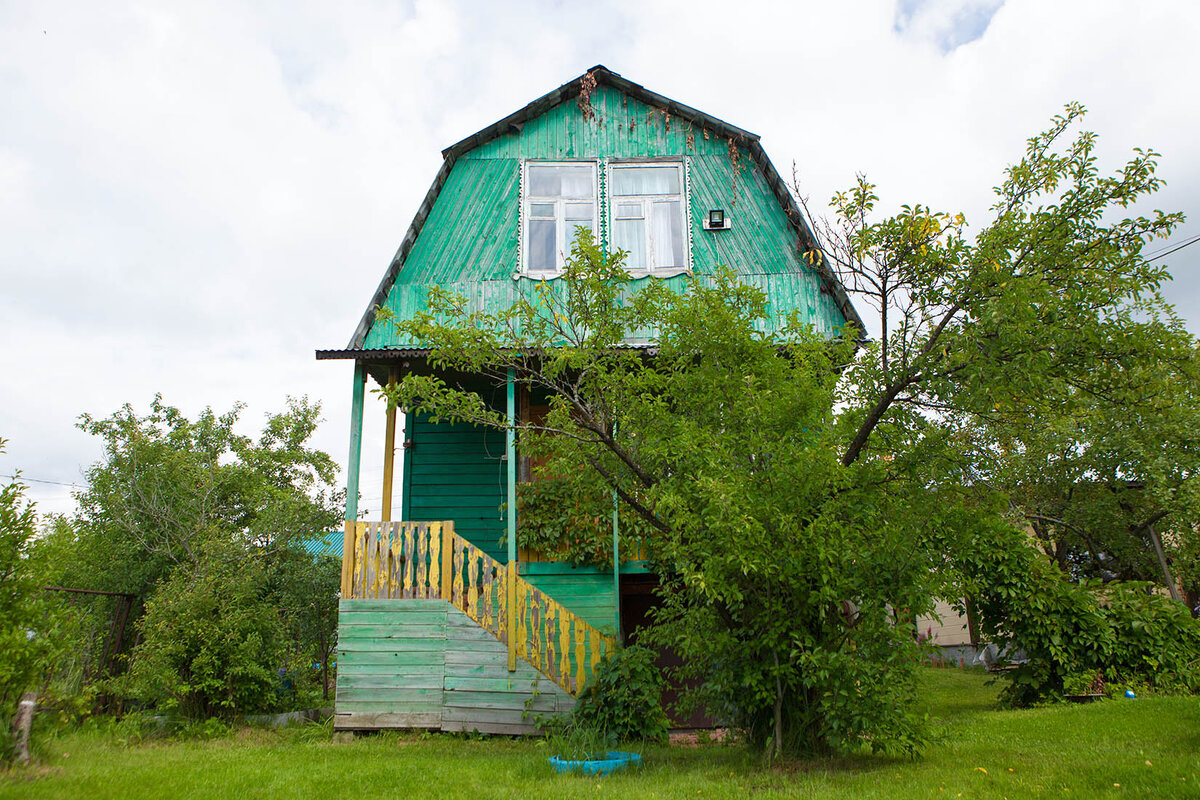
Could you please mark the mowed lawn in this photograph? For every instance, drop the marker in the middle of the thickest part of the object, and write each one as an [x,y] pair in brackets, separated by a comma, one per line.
[1148,747]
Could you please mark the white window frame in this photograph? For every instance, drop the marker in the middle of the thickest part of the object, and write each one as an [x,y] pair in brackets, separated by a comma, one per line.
[564,231]
[647,202]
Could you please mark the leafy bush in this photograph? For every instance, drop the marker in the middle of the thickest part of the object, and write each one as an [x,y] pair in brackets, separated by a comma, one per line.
[624,697]
[23,645]
[210,646]
[1123,631]
[571,516]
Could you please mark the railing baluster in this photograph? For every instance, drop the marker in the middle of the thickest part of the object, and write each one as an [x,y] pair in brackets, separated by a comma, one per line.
[421,554]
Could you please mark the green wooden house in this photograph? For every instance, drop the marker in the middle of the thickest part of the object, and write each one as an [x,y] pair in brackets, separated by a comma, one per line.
[444,623]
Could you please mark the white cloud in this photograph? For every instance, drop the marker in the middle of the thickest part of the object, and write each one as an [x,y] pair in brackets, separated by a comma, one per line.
[946,24]
[194,197]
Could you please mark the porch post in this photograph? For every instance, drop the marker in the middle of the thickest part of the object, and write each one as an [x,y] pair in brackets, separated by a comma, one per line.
[616,571]
[510,450]
[352,464]
[389,451]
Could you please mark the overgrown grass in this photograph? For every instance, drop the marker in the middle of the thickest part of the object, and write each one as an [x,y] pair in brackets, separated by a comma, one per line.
[1141,748]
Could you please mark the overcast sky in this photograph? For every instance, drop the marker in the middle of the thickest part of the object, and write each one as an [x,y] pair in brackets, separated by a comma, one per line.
[196,196]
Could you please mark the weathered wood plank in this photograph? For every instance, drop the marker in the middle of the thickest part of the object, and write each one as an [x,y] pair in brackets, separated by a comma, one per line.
[410,556]
[472,608]
[355,671]
[520,702]
[471,683]
[382,707]
[391,645]
[447,545]
[421,556]
[366,720]
[396,606]
[471,658]
[355,619]
[388,695]
[390,681]
[499,728]
[383,658]
[420,631]
[482,715]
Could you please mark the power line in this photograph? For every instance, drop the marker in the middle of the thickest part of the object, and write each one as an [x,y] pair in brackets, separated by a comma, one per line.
[39,480]
[1175,249]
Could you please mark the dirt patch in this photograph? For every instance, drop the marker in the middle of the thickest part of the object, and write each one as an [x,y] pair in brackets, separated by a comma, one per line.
[699,738]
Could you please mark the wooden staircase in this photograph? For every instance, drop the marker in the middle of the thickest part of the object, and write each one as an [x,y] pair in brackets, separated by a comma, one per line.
[434,633]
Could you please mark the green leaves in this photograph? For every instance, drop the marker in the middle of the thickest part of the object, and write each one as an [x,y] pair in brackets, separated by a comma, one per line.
[23,613]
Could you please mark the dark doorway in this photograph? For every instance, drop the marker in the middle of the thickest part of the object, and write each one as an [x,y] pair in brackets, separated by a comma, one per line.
[637,600]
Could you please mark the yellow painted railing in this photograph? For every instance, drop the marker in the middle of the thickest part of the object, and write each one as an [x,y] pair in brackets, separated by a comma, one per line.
[403,560]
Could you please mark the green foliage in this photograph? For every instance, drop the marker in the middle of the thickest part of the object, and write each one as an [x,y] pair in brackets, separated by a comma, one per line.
[574,739]
[206,528]
[1070,632]
[624,697]
[209,645]
[809,497]
[571,517]
[23,623]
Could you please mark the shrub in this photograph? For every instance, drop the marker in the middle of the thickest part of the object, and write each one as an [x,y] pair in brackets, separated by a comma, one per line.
[210,645]
[23,643]
[624,698]
[1125,632]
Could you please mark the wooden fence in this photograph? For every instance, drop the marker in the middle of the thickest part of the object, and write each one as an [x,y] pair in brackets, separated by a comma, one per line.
[427,560]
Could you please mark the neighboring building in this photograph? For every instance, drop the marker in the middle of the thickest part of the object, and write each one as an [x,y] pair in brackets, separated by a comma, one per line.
[443,623]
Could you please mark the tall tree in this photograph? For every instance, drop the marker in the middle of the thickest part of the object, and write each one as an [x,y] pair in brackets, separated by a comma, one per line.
[807,495]
[206,527]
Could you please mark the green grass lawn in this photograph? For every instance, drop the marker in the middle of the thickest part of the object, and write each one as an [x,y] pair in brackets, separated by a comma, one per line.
[1141,748]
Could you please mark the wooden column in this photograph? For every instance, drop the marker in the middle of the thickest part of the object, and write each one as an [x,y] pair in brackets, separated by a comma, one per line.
[352,465]
[616,572]
[389,451]
[510,450]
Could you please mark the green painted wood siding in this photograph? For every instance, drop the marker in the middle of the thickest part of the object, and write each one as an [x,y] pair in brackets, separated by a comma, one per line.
[469,242]
[456,471]
[425,664]
[585,591]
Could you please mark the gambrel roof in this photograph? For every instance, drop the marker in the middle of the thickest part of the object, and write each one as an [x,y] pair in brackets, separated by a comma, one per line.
[579,91]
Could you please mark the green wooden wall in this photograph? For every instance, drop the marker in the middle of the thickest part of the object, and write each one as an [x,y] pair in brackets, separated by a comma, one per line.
[425,664]
[586,591]
[456,471]
[469,242]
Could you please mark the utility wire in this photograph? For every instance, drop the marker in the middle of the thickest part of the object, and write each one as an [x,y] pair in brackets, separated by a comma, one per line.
[1175,249]
[39,480]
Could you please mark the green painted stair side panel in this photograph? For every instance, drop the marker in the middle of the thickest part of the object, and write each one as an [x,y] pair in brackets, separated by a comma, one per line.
[393,678]
[458,680]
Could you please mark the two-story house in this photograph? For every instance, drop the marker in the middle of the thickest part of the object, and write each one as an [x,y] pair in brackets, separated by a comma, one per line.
[444,622]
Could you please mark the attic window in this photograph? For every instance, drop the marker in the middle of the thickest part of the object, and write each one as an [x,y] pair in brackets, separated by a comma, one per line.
[559,198]
[648,214]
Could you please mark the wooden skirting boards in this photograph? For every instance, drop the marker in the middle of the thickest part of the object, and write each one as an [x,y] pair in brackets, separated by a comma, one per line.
[425,664]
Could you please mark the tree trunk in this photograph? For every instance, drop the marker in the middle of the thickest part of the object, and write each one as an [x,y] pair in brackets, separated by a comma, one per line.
[778,748]
[22,724]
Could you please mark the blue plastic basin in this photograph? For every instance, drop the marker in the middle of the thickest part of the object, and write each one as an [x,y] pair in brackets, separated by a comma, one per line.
[613,760]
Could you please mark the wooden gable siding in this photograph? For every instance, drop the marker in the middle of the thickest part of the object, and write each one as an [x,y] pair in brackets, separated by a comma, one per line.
[469,242]
[454,471]
[620,127]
